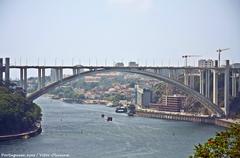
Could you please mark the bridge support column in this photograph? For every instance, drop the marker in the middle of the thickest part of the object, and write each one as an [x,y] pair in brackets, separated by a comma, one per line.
[78,71]
[25,79]
[155,71]
[207,84]
[43,78]
[74,71]
[215,87]
[201,81]
[159,71]
[186,77]
[21,77]
[239,82]
[226,88]
[7,73]
[215,84]
[234,84]
[57,74]
[192,81]
[1,70]
[176,74]
[61,73]
[39,78]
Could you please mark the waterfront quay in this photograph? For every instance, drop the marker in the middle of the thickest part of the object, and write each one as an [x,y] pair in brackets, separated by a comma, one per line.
[186,117]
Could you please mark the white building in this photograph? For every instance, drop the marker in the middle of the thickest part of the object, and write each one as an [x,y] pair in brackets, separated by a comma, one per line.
[205,63]
[132,64]
[120,64]
[143,96]
[235,65]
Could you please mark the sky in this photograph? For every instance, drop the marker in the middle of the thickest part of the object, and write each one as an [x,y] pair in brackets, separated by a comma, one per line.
[99,32]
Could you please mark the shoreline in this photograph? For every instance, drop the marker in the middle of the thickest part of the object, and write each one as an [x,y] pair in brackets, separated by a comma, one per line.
[24,135]
[180,117]
[226,123]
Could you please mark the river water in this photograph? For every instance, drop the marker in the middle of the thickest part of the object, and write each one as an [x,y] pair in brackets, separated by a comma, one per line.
[78,131]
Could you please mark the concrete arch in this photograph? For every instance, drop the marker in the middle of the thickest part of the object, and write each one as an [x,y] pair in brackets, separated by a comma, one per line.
[202,99]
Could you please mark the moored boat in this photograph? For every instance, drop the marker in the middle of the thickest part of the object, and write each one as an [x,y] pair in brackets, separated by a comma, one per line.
[121,109]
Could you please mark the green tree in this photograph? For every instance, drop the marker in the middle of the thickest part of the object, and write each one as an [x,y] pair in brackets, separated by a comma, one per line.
[17,114]
[225,144]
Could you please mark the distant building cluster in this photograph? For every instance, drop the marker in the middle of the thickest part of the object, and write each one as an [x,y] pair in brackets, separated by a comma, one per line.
[130,64]
[143,96]
[119,64]
[205,63]
[235,65]
[172,103]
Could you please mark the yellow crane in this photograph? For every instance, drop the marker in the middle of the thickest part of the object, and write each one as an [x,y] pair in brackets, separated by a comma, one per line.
[188,56]
[219,54]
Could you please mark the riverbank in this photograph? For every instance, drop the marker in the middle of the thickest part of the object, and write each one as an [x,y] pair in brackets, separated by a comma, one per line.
[186,117]
[25,135]
[19,117]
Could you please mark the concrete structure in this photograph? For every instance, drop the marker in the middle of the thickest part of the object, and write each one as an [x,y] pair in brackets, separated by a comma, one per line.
[7,72]
[186,78]
[205,63]
[25,79]
[53,74]
[132,64]
[1,70]
[201,82]
[154,72]
[120,64]
[203,100]
[226,88]
[39,78]
[207,83]
[215,84]
[234,84]
[235,65]
[143,96]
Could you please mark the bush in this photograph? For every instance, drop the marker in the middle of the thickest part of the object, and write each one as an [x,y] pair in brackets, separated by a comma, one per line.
[225,144]
[16,113]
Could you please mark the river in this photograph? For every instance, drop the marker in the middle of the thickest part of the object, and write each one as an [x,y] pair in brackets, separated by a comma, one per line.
[78,131]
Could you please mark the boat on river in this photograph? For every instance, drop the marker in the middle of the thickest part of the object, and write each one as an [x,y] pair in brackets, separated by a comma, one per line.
[121,109]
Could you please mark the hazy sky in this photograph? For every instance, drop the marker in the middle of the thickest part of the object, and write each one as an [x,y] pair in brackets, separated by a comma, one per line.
[147,31]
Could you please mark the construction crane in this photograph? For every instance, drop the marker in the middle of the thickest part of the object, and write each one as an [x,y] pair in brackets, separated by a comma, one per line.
[188,56]
[219,54]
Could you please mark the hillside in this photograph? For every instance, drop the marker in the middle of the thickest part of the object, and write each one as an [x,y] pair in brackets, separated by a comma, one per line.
[16,113]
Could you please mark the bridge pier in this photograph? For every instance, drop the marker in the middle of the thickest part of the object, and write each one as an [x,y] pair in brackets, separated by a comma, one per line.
[74,71]
[39,79]
[7,72]
[1,70]
[215,84]
[57,74]
[207,83]
[176,74]
[201,81]
[192,81]
[238,81]
[78,71]
[43,78]
[186,77]
[215,87]
[21,77]
[60,73]
[25,79]
[226,88]
[234,84]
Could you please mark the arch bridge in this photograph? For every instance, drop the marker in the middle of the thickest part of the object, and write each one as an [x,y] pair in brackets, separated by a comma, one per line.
[159,73]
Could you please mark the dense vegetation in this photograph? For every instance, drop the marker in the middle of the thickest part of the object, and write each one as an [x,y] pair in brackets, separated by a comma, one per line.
[224,145]
[16,113]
